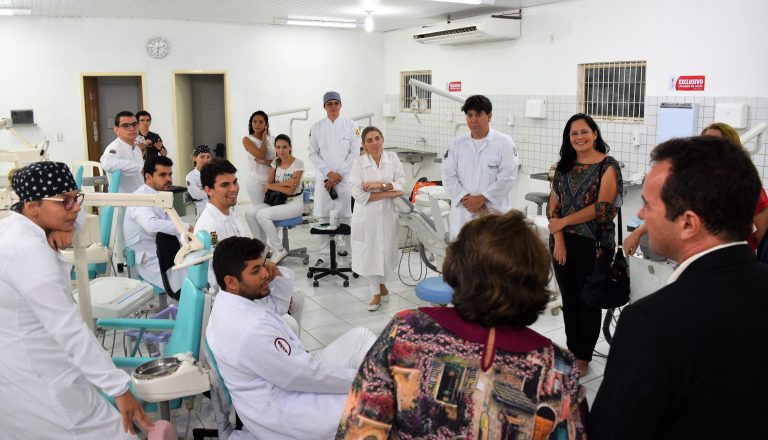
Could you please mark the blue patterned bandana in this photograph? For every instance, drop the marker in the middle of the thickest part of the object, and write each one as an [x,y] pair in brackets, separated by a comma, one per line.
[39,180]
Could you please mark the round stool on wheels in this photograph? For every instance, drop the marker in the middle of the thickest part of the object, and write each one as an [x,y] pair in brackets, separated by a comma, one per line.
[434,290]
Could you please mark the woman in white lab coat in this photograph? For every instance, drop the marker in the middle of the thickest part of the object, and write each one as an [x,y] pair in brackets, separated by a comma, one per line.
[377,178]
[260,147]
[50,362]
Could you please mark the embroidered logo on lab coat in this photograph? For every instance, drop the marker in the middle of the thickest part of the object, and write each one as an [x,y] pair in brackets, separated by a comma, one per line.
[357,131]
[112,151]
[283,345]
[214,238]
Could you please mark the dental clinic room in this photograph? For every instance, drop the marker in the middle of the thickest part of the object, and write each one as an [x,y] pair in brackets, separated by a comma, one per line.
[480,219]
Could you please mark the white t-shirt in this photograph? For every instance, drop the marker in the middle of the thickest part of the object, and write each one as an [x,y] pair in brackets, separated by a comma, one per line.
[282,175]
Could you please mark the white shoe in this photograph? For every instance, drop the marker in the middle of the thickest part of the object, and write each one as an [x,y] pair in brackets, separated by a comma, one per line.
[320,263]
[278,255]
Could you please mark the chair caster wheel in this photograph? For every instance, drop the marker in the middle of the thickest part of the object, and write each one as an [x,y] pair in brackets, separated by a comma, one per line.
[346,283]
[315,283]
[355,275]
[309,274]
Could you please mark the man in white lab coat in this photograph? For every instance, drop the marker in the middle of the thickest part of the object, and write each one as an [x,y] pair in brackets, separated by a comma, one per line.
[479,168]
[142,223]
[122,154]
[279,390]
[334,145]
[219,219]
[50,362]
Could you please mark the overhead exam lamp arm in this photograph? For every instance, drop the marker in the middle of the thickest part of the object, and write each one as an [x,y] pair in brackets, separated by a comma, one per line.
[368,116]
[290,122]
[752,134]
[422,85]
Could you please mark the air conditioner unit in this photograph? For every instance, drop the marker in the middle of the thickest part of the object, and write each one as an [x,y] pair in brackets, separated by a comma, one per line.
[472,30]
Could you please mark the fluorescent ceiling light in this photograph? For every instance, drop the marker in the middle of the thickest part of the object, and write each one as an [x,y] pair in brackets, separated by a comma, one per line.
[15,11]
[468,2]
[336,24]
[296,20]
[369,23]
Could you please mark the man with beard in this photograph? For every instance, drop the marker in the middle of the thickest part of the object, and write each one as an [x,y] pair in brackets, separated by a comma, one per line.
[142,223]
[278,389]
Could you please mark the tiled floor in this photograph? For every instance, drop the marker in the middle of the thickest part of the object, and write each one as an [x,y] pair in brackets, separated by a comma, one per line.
[331,309]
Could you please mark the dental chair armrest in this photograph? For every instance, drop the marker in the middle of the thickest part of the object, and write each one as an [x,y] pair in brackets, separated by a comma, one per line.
[139,324]
[131,362]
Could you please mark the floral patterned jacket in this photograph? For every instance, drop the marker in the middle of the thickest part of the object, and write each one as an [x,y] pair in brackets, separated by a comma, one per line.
[431,375]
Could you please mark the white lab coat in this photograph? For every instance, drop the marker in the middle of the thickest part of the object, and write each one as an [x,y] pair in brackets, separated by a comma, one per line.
[490,170]
[50,362]
[195,190]
[142,223]
[333,146]
[125,157]
[221,226]
[374,224]
[278,389]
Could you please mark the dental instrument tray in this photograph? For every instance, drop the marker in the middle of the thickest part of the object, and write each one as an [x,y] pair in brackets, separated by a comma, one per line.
[114,297]
[170,378]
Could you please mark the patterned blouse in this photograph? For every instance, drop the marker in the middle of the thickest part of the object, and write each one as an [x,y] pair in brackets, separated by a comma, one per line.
[423,379]
[578,189]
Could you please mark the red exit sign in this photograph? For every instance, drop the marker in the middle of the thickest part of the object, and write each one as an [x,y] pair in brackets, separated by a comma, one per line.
[454,86]
[690,83]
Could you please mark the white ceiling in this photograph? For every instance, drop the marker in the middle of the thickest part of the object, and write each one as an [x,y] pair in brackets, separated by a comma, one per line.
[388,14]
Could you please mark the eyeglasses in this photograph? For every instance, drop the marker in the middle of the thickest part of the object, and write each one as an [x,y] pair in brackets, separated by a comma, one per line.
[127,125]
[582,133]
[67,201]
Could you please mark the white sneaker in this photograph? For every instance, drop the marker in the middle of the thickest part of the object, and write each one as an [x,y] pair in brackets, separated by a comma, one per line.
[278,255]
[320,263]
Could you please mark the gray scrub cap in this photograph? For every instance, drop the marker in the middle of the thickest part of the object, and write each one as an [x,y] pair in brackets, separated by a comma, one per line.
[330,96]
[39,180]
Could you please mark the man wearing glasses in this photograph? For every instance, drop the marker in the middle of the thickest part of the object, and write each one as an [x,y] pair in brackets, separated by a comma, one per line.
[51,362]
[123,155]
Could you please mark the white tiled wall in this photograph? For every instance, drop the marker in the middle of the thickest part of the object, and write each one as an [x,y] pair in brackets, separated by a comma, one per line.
[538,140]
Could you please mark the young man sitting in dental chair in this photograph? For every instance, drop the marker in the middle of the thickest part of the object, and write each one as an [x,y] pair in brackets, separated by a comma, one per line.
[278,389]
[142,223]
[219,219]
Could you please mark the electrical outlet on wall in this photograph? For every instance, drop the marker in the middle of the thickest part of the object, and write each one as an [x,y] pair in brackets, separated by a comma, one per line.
[511,119]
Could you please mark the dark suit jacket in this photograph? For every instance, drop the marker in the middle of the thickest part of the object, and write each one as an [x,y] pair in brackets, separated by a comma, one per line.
[690,361]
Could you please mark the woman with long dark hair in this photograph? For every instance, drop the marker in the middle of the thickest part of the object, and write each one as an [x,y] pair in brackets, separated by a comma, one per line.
[586,193]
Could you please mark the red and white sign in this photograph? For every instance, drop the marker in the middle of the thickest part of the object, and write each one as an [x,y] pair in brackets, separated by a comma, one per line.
[690,83]
[454,86]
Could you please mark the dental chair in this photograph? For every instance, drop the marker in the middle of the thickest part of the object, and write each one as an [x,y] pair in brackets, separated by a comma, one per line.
[186,328]
[222,407]
[167,247]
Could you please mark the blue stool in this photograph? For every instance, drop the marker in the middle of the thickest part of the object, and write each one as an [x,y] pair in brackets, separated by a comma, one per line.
[286,225]
[434,290]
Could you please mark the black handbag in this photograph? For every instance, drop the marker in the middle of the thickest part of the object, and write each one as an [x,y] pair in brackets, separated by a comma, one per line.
[607,286]
[274,198]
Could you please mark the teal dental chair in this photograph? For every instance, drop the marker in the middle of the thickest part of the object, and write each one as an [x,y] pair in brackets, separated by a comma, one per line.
[186,328]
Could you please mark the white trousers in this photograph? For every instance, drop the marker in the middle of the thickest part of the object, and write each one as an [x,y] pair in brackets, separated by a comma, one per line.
[376,282]
[255,189]
[325,240]
[265,215]
[349,349]
[149,270]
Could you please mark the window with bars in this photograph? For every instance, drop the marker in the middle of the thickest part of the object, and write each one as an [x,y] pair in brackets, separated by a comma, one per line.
[413,98]
[613,91]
